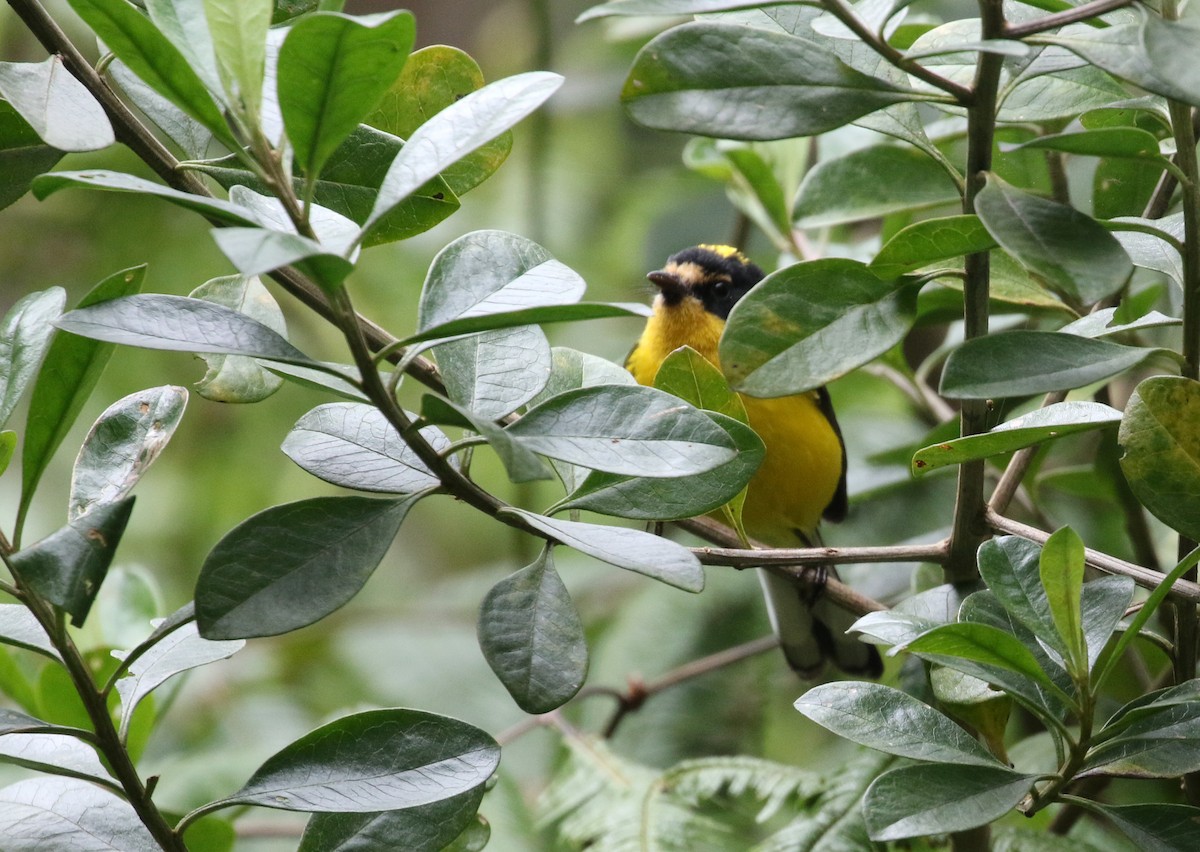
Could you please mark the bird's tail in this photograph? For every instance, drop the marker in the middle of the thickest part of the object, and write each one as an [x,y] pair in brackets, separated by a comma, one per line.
[812,629]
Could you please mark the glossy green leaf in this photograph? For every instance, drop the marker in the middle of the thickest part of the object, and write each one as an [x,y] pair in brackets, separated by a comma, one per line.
[637,431]
[77,814]
[496,372]
[179,651]
[488,272]
[870,183]
[1036,427]
[214,208]
[179,324]
[1160,740]
[458,130]
[981,643]
[1120,51]
[929,241]
[1172,49]
[123,442]
[19,627]
[782,86]
[1061,570]
[686,374]
[531,636]
[518,317]
[139,44]
[1123,187]
[71,368]
[1070,251]
[1100,142]
[425,828]
[233,378]
[68,566]
[1010,566]
[809,323]
[520,462]
[940,798]
[1101,323]
[891,627]
[330,378]
[185,24]
[633,550]
[291,565]
[56,105]
[1022,363]
[8,447]
[15,720]
[23,156]
[333,70]
[256,251]
[353,445]
[239,39]
[1105,600]
[891,721]
[1161,453]
[1156,827]
[372,761]
[675,498]
[349,185]
[25,335]
[432,79]
[665,7]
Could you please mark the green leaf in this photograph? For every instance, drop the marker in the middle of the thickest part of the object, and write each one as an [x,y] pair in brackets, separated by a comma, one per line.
[981,643]
[520,463]
[1105,600]
[425,828]
[77,814]
[180,324]
[1120,51]
[458,130]
[1160,451]
[633,550]
[1160,827]
[1100,323]
[353,445]
[892,627]
[1010,566]
[239,39]
[665,7]
[212,208]
[531,635]
[1171,50]
[1070,251]
[929,241]
[1061,570]
[940,798]
[178,651]
[55,753]
[22,155]
[810,323]
[256,251]
[780,87]
[434,78]
[1038,426]
[25,336]
[377,760]
[487,272]
[1158,741]
[123,442]
[8,446]
[1130,142]
[185,24]
[67,567]
[891,721]
[674,498]
[685,373]
[19,627]
[503,319]
[495,372]
[637,431]
[70,370]
[56,105]
[333,70]
[140,45]
[1022,363]
[233,378]
[291,565]
[870,183]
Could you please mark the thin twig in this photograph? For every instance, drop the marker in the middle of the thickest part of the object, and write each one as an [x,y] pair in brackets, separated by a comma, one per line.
[1069,16]
[1010,480]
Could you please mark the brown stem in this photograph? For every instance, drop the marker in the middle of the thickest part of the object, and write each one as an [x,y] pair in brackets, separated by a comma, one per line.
[1069,16]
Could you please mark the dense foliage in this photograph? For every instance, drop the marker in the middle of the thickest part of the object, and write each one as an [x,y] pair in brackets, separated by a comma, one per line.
[915,178]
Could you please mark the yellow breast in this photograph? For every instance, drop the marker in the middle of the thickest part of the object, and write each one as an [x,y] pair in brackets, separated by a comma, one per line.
[803,462]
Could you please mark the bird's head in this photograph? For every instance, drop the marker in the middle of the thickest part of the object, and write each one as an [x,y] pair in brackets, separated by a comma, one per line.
[715,276]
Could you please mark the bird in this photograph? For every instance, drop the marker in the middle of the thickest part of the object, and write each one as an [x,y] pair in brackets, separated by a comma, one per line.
[802,479]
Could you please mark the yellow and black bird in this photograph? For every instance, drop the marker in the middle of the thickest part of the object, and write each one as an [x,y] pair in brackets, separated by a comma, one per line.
[803,474]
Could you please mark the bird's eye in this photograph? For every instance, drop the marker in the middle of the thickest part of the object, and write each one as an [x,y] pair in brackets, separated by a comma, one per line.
[720,289]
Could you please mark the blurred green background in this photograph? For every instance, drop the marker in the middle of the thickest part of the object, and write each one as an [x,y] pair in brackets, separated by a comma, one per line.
[607,198]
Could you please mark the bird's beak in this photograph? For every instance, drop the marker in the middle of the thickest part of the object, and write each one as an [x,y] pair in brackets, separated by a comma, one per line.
[669,284]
